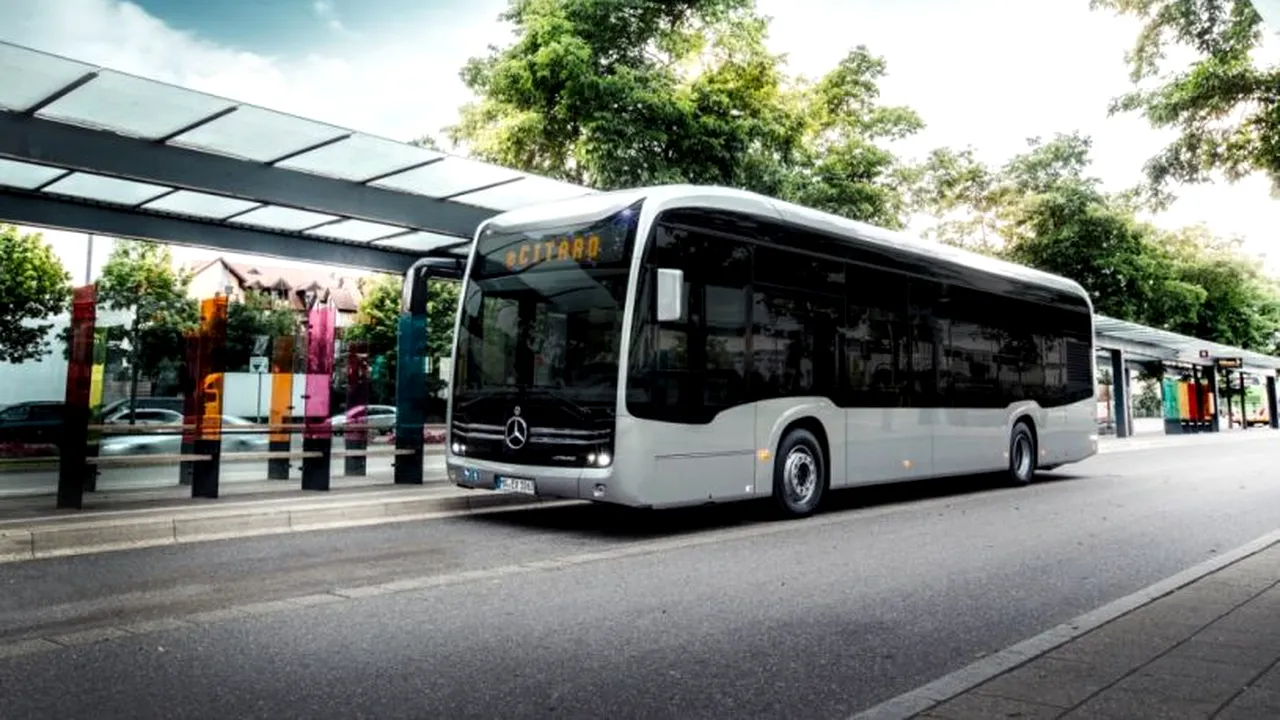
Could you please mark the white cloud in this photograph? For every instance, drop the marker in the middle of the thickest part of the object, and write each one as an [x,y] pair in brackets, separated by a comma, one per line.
[327,13]
[395,85]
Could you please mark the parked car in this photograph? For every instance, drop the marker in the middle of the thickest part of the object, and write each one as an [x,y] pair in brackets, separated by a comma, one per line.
[30,429]
[379,419]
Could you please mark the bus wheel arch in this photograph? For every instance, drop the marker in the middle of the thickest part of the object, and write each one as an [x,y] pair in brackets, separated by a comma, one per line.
[1024,451]
[803,448]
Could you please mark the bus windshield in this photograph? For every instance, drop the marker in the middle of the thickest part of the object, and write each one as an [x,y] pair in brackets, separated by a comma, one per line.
[542,313]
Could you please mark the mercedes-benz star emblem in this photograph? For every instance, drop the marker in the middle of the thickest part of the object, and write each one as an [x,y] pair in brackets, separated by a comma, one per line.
[517,432]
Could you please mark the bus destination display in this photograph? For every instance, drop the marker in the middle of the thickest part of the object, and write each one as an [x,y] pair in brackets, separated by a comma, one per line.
[557,251]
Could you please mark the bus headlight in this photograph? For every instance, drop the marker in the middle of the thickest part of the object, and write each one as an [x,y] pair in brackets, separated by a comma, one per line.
[600,459]
[458,448]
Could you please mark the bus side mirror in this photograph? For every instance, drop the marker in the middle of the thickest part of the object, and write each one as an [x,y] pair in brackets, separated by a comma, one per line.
[670,295]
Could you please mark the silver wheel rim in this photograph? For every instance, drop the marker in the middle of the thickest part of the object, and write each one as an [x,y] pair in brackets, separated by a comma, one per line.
[800,476]
[1022,457]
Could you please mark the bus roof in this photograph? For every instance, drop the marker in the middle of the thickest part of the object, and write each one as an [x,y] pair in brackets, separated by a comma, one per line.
[672,196]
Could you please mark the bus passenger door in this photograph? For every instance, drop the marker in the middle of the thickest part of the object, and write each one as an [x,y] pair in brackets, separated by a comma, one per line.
[690,373]
[889,435]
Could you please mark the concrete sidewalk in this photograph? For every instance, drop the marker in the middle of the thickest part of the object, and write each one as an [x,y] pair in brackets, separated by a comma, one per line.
[1195,648]
[1112,444]
[136,519]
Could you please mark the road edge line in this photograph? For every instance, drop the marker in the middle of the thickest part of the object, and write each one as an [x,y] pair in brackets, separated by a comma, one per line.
[958,682]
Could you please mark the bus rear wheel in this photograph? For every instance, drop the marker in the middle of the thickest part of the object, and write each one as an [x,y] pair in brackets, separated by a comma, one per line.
[799,474]
[1022,454]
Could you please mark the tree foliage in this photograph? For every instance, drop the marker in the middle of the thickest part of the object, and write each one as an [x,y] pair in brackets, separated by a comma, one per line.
[33,288]
[1042,208]
[1224,106]
[611,95]
[257,315]
[139,277]
[377,326]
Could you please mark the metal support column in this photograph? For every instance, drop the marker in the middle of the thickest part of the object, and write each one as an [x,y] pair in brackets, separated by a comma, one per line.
[317,433]
[411,396]
[1271,403]
[73,468]
[281,414]
[355,440]
[1212,397]
[1120,392]
[411,370]
[205,474]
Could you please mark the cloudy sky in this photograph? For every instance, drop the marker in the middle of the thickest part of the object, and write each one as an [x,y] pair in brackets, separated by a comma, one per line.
[985,73]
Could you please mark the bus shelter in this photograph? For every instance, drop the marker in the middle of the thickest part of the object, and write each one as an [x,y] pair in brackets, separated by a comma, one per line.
[89,149]
[1189,371]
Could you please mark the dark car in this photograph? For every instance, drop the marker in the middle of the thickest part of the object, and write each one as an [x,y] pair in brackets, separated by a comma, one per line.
[31,428]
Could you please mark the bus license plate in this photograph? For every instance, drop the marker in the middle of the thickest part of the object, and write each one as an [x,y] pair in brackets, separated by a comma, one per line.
[524,486]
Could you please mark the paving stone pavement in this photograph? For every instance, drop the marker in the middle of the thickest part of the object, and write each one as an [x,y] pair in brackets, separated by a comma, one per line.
[1208,650]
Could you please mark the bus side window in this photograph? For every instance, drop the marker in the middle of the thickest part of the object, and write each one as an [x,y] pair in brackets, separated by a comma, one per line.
[690,370]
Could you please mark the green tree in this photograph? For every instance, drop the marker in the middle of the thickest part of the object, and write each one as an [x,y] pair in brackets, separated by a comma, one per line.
[980,208]
[442,313]
[1224,106]
[257,315]
[377,325]
[959,191]
[140,278]
[33,287]
[1070,232]
[670,91]
[1147,404]
[1043,209]
[1240,304]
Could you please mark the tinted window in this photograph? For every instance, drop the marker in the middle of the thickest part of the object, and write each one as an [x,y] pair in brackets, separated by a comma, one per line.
[834,326]
[794,343]
[791,268]
[692,369]
[972,373]
[927,333]
[876,340]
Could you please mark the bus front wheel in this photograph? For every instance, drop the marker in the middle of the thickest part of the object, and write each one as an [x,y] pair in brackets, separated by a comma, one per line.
[1022,454]
[799,474]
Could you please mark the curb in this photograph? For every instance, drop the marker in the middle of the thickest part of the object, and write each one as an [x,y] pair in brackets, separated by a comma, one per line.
[44,538]
[926,697]
[1161,442]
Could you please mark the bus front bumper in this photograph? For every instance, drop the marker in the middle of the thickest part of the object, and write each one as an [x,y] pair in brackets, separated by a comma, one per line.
[551,482]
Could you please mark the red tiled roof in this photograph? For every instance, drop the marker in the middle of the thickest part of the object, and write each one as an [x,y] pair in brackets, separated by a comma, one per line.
[331,285]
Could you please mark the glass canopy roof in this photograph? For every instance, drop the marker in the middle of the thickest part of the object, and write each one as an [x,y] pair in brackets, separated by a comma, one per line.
[51,88]
[1153,343]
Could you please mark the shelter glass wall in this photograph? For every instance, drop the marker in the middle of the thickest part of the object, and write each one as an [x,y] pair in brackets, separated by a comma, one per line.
[155,380]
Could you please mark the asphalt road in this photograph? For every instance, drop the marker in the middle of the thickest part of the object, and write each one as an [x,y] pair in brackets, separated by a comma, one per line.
[700,614]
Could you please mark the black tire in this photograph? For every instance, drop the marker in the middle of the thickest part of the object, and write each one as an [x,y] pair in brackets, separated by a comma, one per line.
[799,474]
[1023,454]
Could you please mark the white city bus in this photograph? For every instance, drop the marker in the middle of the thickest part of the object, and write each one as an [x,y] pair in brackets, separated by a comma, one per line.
[683,345]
